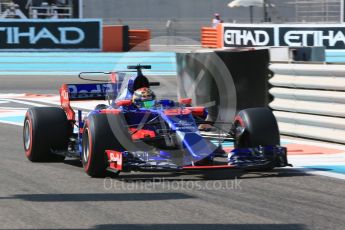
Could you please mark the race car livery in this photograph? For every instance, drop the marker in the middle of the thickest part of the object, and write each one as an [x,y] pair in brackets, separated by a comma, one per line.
[135,131]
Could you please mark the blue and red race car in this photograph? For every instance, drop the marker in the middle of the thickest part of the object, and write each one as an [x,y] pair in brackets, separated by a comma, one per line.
[137,132]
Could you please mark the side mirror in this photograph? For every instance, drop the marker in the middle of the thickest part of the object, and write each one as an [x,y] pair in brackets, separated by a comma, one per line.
[123,103]
[185,101]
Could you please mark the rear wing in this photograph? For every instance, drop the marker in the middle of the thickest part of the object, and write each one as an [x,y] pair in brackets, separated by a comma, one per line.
[91,91]
[94,91]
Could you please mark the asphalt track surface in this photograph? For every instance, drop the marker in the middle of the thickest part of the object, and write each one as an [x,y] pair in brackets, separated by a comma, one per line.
[62,196]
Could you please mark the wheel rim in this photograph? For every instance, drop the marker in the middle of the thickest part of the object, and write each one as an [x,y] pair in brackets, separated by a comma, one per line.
[240,139]
[239,129]
[86,146]
[27,135]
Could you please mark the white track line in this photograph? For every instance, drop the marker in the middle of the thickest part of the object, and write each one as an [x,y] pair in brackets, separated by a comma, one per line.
[25,102]
[12,123]
[13,108]
[321,173]
[314,143]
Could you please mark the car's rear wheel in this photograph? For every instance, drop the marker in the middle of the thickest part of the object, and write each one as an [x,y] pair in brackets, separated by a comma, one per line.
[45,133]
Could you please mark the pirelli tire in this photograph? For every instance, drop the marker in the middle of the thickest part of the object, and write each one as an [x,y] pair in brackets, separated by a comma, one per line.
[256,127]
[102,132]
[45,133]
[259,127]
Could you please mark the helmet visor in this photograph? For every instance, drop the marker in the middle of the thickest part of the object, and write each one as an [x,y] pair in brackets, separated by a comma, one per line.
[148,104]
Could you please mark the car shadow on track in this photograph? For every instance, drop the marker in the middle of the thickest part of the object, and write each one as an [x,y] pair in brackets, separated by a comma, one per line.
[201,226]
[230,174]
[95,197]
[73,161]
[197,226]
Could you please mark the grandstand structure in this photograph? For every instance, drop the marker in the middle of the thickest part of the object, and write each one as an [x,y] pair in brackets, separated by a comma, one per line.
[44,9]
[9,9]
[180,18]
[185,18]
[325,11]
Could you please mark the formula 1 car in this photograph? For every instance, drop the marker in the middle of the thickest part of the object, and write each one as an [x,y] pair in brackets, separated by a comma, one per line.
[155,135]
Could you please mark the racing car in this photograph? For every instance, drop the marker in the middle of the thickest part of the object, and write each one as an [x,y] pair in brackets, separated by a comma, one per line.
[135,131]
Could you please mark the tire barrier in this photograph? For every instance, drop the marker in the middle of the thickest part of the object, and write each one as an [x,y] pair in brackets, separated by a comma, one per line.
[309,100]
[234,80]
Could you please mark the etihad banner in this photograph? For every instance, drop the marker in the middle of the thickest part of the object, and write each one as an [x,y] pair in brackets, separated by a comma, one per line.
[330,36]
[51,35]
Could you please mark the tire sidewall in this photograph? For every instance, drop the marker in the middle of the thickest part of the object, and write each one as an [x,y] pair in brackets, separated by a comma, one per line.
[28,152]
[86,162]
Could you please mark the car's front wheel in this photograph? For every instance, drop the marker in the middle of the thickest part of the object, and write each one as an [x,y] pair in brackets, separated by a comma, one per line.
[256,127]
[101,132]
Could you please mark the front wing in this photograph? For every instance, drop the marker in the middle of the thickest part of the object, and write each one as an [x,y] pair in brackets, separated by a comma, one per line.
[262,157]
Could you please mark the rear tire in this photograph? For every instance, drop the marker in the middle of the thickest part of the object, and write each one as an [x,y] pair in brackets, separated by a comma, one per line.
[45,132]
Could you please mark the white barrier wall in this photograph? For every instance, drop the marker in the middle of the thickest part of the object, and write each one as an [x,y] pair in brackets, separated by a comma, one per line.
[309,100]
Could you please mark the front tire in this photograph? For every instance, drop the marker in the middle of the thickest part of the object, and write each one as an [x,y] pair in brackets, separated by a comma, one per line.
[101,132]
[45,132]
[259,128]
[256,127]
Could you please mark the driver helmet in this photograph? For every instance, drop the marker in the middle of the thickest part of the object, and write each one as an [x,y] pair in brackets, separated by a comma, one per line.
[144,98]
